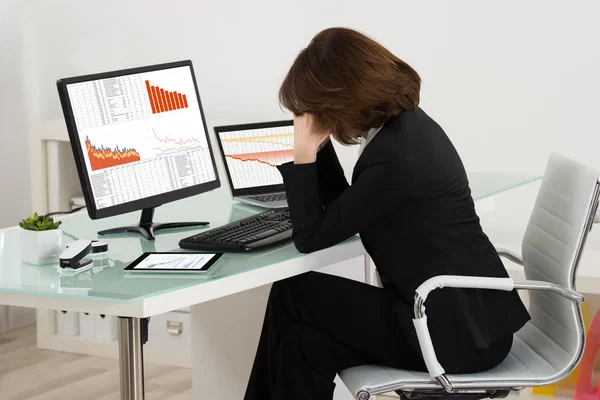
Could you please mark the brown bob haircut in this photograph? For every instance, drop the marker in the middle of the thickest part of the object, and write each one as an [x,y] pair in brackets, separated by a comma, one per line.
[350,83]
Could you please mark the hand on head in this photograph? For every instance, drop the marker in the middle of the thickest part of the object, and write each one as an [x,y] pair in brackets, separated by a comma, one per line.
[307,139]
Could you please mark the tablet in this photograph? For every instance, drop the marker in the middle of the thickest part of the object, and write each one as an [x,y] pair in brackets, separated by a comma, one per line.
[164,262]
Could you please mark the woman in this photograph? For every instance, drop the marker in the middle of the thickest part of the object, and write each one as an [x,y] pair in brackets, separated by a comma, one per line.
[411,204]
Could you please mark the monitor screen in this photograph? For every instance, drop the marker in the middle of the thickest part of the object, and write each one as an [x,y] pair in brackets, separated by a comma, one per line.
[252,154]
[141,134]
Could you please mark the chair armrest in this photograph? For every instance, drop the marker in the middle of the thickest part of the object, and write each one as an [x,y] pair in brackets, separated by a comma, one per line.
[467,282]
[510,255]
[551,287]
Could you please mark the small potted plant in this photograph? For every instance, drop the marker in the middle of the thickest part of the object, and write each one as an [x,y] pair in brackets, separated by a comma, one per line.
[41,240]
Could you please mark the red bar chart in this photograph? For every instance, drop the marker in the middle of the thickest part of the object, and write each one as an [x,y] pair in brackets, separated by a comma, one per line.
[162,100]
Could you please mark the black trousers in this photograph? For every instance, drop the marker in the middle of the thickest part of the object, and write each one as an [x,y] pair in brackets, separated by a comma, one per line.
[317,325]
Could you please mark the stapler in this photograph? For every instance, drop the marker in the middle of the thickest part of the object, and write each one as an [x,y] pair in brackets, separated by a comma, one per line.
[73,257]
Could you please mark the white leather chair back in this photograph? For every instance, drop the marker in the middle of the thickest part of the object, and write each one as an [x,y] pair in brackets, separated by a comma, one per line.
[552,245]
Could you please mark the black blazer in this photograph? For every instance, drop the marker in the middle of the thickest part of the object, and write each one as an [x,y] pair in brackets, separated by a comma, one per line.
[411,203]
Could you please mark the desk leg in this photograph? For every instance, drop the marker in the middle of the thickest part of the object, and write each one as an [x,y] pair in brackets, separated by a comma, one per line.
[131,359]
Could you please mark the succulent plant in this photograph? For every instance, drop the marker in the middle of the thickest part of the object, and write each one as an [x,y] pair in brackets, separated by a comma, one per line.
[39,223]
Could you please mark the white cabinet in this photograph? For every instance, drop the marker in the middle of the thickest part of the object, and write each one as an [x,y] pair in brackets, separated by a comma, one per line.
[67,323]
[171,331]
[106,327]
[87,325]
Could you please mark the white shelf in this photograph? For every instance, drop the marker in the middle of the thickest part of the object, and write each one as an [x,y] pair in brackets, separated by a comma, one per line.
[42,134]
[53,129]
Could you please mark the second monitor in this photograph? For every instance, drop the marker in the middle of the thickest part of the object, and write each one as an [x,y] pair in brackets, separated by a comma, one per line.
[140,140]
[251,153]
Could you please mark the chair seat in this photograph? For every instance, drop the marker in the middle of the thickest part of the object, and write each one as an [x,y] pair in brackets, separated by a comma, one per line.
[524,367]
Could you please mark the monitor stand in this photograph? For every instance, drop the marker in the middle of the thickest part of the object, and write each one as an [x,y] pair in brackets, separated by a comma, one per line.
[147,228]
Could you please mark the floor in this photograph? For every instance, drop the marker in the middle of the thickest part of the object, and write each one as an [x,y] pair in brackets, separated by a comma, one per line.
[27,373]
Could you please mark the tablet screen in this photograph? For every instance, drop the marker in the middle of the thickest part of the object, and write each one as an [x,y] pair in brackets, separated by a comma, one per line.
[174,262]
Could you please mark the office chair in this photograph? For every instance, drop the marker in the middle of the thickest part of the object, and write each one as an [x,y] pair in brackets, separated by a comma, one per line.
[551,344]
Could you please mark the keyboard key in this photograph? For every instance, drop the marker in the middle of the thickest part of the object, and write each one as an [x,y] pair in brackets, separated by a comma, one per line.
[269,197]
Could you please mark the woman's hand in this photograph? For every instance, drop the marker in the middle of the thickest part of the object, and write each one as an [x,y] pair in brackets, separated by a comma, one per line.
[307,141]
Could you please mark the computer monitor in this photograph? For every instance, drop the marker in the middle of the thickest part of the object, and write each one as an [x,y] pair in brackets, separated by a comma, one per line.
[252,153]
[140,140]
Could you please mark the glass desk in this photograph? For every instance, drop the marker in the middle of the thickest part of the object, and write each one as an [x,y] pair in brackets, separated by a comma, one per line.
[107,282]
[107,289]
[485,184]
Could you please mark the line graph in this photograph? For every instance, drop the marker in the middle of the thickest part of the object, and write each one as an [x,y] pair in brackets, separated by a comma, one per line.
[252,159]
[176,141]
[285,139]
[253,155]
[180,143]
[270,158]
[173,149]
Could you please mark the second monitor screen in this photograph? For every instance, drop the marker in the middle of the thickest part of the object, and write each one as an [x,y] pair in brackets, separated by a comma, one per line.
[252,155]
[143,134]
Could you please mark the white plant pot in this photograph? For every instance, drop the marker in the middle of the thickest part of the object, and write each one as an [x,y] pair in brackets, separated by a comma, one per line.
[41,247]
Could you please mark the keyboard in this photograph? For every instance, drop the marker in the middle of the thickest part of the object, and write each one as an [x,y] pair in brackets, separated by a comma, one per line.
[268,198]
[248,234]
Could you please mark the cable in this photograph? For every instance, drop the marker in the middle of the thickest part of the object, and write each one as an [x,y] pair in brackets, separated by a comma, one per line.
[65,212]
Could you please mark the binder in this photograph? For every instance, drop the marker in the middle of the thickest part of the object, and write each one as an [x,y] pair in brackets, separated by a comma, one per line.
[107,327]
[87,325]
[67,323]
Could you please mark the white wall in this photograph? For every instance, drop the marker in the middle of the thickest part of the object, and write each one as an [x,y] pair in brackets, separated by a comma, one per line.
[14,167]
[510,81]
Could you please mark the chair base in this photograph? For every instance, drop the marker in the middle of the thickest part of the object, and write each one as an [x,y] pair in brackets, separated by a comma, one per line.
[418,395]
